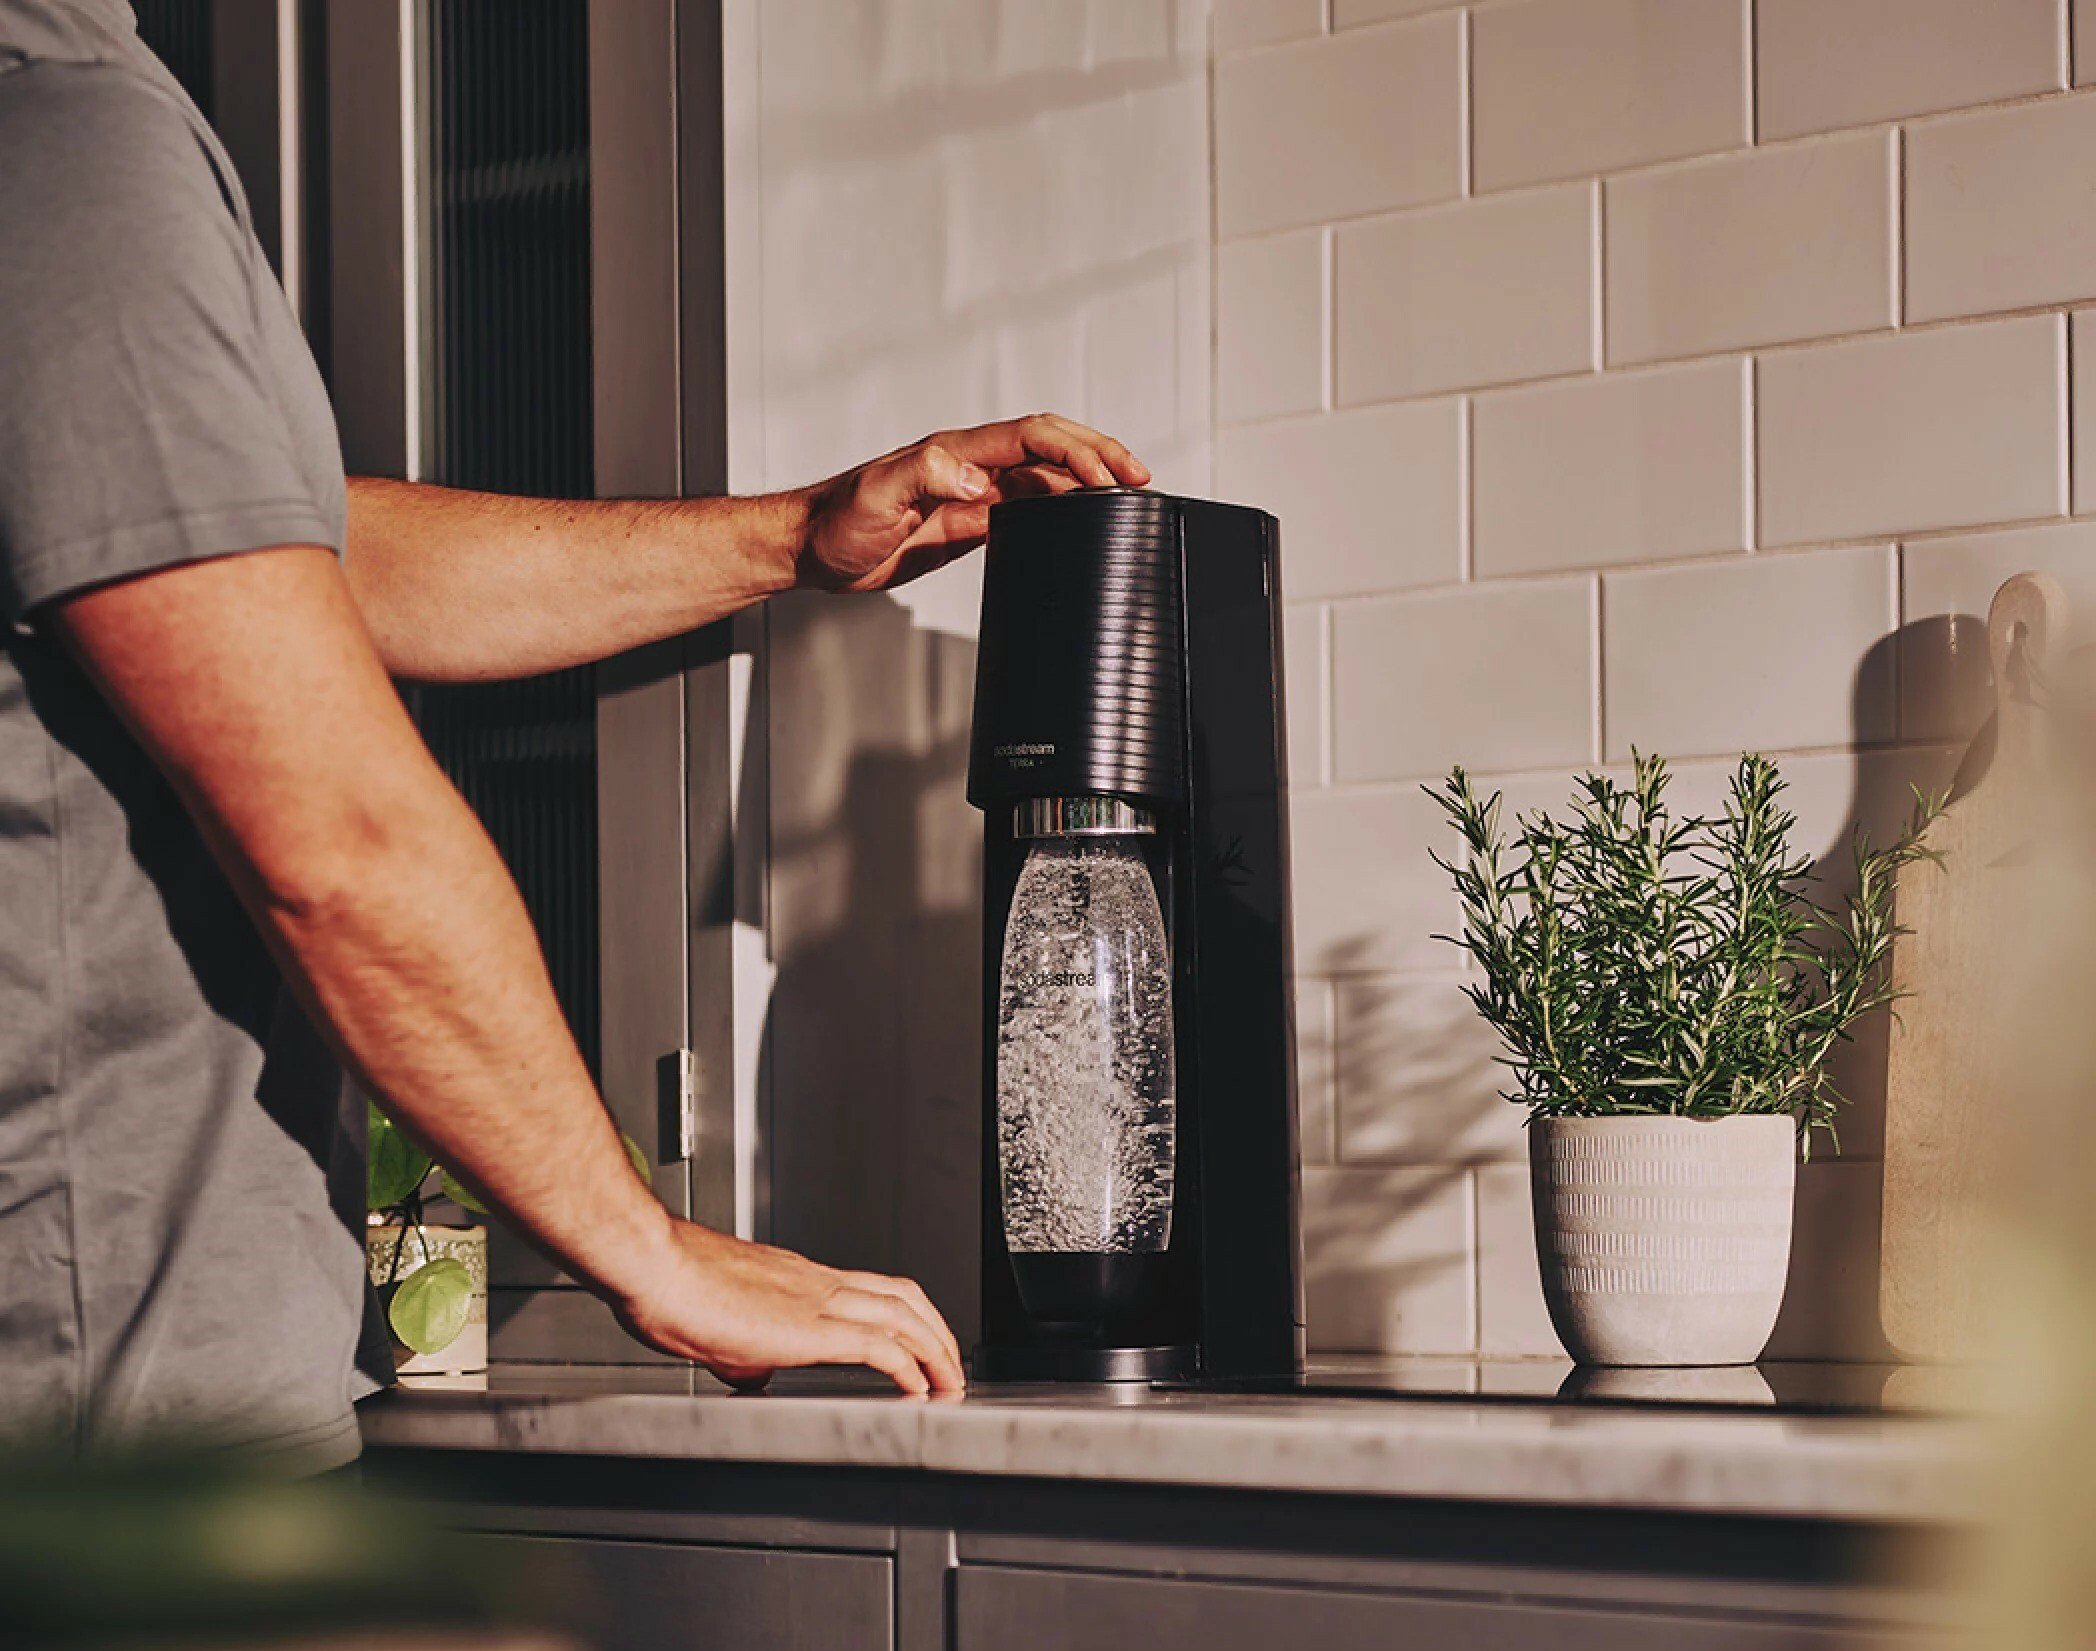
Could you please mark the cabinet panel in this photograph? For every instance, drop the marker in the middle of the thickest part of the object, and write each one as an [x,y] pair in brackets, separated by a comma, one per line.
[1071,1611]
[649,1596]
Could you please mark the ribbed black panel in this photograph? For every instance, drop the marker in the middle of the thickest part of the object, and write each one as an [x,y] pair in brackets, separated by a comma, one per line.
[179,34]
[509,247]
[509,244]
[1078,675]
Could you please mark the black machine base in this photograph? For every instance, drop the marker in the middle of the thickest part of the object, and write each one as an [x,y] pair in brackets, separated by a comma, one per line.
[1085,1289]
[1059,1362]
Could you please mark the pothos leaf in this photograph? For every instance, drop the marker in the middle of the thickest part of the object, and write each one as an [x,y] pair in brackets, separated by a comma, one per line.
[431,1305]
[634,1156]
[394,1166]
[457,1191]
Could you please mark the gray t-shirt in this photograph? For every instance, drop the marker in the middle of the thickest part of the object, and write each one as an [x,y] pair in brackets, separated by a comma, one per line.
[181,1178]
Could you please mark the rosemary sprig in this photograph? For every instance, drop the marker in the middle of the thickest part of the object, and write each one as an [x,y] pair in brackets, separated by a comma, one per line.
[1636,961]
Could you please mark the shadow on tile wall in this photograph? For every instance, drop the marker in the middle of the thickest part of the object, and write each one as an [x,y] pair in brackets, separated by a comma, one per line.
[1831,1309]
[873,1066]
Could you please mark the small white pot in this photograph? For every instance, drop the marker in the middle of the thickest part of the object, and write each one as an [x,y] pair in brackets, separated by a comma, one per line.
[1663,1241]
[468,1355]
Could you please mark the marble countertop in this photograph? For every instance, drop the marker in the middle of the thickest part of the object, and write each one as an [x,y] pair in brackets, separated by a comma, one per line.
[1488,1447]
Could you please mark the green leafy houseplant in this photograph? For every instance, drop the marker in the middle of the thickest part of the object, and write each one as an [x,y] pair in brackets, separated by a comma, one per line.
[1636,961]
[428,1304]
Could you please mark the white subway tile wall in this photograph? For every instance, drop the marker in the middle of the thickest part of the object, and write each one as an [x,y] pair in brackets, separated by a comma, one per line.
[1678,374]
[1567,88]
[1270,326]
[1420,1074]
[1774,650]
[1827,63]
[1318,1124]
[1477,674]
[1242,23]
[1485,292]
[1388,1259]
[1374,496]
[1998,209]
[1348,14]
[1511,1318]
[1332,128]
[1945,586]
[1756,248]
[1941,428]
[1617,467]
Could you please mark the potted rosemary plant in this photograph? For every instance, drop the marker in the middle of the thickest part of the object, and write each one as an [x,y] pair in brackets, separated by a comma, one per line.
[1668,989]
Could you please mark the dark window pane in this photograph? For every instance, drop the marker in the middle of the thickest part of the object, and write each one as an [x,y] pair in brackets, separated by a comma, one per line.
[508,224]
[179,33]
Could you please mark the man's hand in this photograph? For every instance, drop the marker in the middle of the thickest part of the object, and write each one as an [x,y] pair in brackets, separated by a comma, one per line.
[919,507]
[744,1310]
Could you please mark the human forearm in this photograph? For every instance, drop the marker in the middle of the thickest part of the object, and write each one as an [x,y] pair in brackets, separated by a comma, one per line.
[409,944]
[415,951]
[459,586]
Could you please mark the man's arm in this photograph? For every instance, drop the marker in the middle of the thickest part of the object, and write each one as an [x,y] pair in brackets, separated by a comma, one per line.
[458,586]
[254,684]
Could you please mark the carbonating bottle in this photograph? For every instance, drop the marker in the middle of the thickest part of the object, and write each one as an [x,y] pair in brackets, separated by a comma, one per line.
[1085,1076]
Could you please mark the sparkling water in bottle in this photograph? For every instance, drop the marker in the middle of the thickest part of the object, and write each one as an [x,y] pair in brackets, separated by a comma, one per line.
[1085,1080]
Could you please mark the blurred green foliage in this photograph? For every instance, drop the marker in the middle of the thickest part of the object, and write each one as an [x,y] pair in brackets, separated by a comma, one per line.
[196,1549]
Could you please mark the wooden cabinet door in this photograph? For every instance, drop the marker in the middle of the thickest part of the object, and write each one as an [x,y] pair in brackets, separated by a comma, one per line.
[661,1596]
[1001,1609]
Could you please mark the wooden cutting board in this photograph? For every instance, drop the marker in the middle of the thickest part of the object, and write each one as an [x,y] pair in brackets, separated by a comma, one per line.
[1950,1134]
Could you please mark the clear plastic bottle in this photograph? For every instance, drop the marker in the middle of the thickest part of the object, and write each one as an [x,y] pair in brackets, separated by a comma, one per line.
[1086,1096]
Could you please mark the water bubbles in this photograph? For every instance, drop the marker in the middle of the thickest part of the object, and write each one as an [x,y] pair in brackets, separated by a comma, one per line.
[1085,1082]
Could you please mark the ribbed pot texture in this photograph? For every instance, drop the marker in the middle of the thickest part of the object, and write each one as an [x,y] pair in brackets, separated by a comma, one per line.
[466,1245]
[1663,1241]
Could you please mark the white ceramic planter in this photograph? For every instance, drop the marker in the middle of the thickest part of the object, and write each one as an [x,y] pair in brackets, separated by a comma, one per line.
[468,1355]
[1663,1241]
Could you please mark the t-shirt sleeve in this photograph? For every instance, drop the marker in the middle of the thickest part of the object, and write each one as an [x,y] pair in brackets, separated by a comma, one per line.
[140,419]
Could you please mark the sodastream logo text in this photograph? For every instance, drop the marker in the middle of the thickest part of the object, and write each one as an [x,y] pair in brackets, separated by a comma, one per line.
[1044,978]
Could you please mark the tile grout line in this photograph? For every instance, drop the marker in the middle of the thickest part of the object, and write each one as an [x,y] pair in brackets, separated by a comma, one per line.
[1466,491]
[1761,556]
[1475,1234]
[1900,642]
[1597,274]
[1627,369]
[1750,72]
[1681,163]
[1896,568]
[1597,639]
[1897,211]
[1328,696]
[1750,454]
[2065,492]
[1328,329]
[1213,204]
[1403,785]
[1328,1028]
[1466,107]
